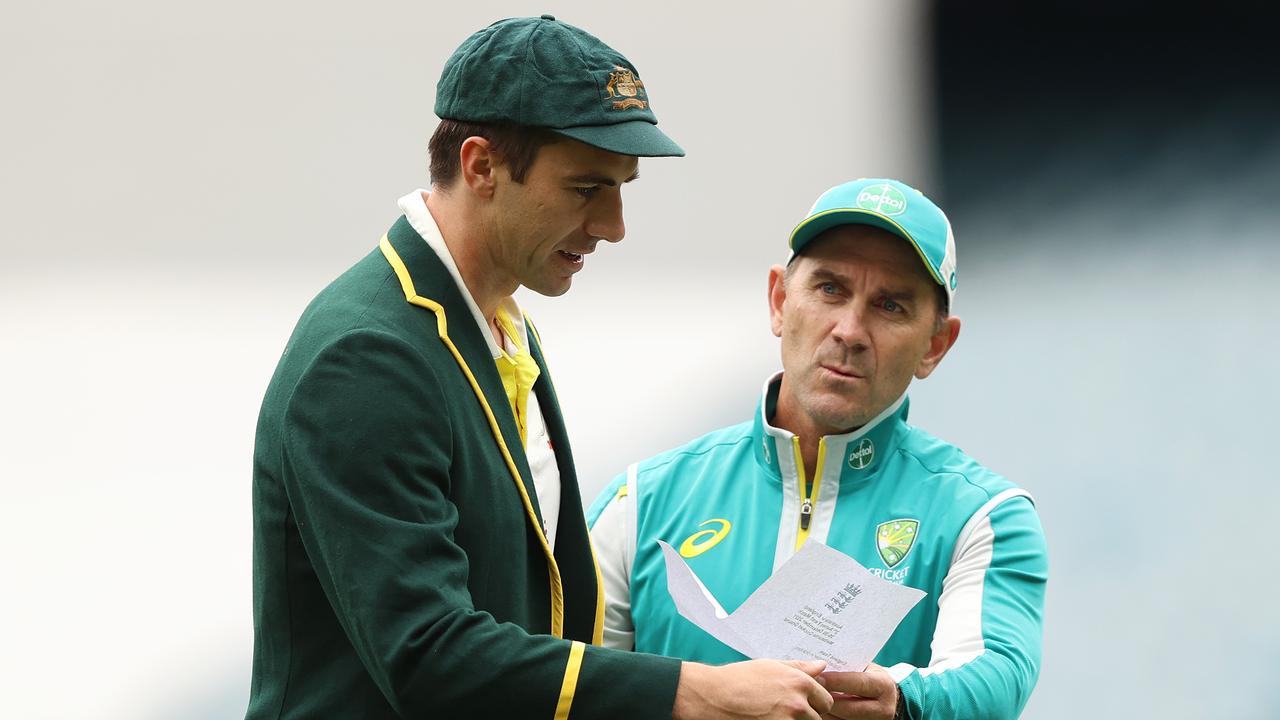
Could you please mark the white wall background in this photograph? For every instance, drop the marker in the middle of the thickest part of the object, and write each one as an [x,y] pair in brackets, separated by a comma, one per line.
[177,180]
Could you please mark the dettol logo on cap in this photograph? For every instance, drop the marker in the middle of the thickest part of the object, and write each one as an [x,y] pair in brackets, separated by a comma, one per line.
[884,199]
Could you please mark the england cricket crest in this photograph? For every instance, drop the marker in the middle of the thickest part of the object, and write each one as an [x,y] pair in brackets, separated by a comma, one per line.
[894,540]
[625,89]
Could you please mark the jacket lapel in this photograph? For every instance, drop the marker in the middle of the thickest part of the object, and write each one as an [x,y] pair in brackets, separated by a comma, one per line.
[584,599]
[432,280]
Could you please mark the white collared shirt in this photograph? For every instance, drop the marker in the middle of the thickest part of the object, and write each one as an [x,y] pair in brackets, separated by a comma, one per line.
[542,459]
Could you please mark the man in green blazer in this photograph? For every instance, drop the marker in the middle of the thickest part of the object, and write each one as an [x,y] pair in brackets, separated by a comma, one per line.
[419,543]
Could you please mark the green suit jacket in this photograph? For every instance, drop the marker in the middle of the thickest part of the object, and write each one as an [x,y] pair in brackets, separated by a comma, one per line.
[400,564]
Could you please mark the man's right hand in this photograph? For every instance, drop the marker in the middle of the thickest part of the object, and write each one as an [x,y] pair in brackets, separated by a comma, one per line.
[751,689]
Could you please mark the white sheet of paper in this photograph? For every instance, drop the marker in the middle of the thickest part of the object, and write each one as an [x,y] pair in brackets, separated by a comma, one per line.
[820,605]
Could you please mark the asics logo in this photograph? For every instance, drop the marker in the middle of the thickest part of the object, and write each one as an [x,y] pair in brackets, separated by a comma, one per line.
[704,540]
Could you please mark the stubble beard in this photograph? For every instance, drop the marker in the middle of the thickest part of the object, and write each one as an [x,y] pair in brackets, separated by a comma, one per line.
[833,409]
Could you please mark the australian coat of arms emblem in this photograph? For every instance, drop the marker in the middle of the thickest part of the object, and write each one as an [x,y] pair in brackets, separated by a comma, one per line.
[625,89]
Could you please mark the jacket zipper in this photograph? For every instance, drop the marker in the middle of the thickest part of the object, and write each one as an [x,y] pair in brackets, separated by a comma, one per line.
[807,496]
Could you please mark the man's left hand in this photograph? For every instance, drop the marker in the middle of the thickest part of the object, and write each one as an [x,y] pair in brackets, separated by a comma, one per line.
[868,694]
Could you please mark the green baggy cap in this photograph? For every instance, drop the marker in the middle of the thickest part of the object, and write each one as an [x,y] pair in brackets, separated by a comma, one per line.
[541,72]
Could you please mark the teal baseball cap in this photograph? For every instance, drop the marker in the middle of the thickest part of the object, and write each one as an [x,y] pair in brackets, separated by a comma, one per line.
[892,206]
[541,72]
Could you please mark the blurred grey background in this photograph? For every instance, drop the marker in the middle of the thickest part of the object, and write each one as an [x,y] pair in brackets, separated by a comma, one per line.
[177,180]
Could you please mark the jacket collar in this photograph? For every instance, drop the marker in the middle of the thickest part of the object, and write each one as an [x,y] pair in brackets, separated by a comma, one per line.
[861,453]
[414,206]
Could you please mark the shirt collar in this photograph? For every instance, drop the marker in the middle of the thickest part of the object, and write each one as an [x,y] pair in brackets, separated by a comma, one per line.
[414,207]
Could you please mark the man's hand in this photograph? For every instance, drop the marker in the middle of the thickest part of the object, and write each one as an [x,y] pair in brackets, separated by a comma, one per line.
[856,695]
[751,689]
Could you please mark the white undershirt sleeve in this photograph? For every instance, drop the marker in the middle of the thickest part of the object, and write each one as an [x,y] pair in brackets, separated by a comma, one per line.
[614,539]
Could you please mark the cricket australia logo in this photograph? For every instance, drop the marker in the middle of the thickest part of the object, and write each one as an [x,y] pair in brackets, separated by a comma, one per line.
[863,454]
[894,540]
[884,199]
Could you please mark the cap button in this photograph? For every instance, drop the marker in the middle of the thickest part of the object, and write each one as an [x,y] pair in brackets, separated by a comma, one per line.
[548,16]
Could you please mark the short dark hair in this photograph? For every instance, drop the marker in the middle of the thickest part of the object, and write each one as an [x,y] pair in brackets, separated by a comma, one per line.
[517,144]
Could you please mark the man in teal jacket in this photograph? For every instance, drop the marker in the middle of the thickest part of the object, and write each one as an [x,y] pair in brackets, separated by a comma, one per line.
[862,307]
[419,546]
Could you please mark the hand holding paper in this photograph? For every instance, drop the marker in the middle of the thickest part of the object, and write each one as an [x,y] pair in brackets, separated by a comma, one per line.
[820,605]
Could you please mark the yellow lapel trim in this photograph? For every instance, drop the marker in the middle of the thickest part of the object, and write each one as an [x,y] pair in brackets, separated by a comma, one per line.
[410,294]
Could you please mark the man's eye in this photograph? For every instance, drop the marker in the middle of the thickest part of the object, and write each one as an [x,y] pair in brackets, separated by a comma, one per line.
[587,192]
[828,288]
[891,306]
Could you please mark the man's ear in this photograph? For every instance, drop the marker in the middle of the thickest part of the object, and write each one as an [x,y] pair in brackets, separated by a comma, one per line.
[479,165]
[777,295]
[939,344]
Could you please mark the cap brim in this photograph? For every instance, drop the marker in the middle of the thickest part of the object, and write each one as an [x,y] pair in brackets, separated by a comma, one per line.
[814,226]
[635,137]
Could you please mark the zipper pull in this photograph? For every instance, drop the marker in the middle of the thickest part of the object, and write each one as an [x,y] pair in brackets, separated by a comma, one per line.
[806,511]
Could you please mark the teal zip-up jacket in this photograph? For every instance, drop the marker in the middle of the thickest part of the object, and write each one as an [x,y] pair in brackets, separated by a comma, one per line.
[908,506]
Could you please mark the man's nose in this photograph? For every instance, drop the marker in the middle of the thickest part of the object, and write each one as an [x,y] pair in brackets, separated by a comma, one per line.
[605,221]
[851,328]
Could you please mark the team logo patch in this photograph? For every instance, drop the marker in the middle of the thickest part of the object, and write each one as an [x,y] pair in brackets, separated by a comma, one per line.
[863,454]
[625,89]
[884,199]
[704,540]
[894,540]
